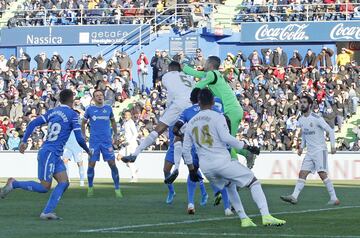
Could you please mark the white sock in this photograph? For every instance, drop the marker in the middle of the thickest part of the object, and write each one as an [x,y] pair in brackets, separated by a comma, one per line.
[81,172]
[236,201]
[259,198]
[67,169]
[149,140]
[177,154]
[330,187]
[298,187]
[133,170]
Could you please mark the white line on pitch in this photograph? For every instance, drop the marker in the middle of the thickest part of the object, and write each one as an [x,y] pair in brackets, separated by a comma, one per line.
[224,234]
[210,219]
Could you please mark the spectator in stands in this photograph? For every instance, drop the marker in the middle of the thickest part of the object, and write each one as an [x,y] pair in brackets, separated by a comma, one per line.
[324,57]
[43,63]
[295,60]
[142,71]
[13,139]
[240,61]
[163,63]
[344,58]
[279,58]
[310,59]
[55,62]
[24,62]
[155,69]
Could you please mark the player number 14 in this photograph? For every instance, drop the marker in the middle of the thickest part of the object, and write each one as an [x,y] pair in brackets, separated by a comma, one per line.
[205,138]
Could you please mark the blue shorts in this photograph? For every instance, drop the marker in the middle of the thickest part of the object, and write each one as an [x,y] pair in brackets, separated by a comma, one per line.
[106,149]
[170,152]
[49,163]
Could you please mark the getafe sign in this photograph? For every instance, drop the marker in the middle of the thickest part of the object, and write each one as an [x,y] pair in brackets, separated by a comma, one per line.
[301,31]
[73,35]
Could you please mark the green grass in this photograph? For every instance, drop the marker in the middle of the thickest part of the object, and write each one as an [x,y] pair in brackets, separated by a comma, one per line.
[144,203]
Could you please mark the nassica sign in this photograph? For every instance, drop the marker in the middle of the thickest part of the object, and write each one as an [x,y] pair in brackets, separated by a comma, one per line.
[301,31]
[73,35]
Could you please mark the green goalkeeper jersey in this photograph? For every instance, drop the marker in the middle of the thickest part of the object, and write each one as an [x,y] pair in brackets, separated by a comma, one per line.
[218,86]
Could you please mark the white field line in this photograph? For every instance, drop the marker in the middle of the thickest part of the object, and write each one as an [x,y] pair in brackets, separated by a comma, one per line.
[223,234]
[119,228]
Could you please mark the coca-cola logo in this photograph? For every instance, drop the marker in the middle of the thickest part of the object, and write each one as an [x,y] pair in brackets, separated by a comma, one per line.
[291,32]
[354,45]
[339,32]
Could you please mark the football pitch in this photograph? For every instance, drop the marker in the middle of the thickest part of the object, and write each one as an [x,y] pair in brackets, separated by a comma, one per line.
[143,213]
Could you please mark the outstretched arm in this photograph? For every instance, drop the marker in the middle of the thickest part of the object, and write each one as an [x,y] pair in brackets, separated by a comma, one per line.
[31,127]
[193,72]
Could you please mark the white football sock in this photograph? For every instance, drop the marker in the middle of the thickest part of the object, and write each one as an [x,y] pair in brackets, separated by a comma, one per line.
[133,170]
[149,140]
[177,154]
[298,187]
[236,201]
[259,198]
[330,187]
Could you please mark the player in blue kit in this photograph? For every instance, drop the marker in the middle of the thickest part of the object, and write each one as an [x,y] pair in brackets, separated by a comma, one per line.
[61,121]
[101,120]
[185,117]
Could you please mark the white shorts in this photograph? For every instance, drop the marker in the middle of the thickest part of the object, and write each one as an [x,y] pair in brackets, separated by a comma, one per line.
[316,162]
[73,155]
[230,171]
[172,113]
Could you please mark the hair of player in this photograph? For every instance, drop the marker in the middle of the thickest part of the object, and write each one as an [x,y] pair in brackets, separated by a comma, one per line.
[174,66]
[194,96]
[214,61]
[65,96]
[98,90]
[308,99]
[206,97]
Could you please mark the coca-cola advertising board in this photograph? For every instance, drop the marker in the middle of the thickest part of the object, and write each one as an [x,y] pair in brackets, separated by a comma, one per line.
[301,31]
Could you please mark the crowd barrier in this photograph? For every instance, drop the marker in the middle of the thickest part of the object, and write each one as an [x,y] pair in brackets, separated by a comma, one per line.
[269,165]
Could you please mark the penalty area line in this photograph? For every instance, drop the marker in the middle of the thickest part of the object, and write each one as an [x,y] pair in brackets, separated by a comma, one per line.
[120,228]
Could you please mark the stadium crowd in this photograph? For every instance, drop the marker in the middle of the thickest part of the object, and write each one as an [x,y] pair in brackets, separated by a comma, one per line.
[71,12]
[298,10]
[267,84]
[194,12]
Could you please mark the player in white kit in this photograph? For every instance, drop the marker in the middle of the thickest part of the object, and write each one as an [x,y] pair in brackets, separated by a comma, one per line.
[73,152]
[313,129]
[179,87]
[131,135]
[209,132]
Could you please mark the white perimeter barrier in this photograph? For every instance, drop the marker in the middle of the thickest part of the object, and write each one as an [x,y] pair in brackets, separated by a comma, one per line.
[269,165]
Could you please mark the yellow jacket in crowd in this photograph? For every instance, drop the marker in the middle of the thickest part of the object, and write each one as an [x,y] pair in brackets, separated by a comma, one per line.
[344,57]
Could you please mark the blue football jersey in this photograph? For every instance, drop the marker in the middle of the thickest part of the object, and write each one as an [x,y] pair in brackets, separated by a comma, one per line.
[100,127]
[61,121]
[190,112]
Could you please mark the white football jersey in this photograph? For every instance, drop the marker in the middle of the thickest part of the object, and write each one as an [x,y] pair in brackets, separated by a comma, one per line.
[209,132]
[131,132]
[178,86]
[313,130]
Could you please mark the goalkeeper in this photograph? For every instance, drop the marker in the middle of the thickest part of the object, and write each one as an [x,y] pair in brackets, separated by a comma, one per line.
[212,78]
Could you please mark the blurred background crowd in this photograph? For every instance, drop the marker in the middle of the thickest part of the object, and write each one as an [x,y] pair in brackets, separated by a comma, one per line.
[267,83]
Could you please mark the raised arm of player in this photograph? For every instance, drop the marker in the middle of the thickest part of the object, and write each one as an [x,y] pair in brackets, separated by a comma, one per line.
[327,128]
[210,77]
[193,72]
[29,130]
